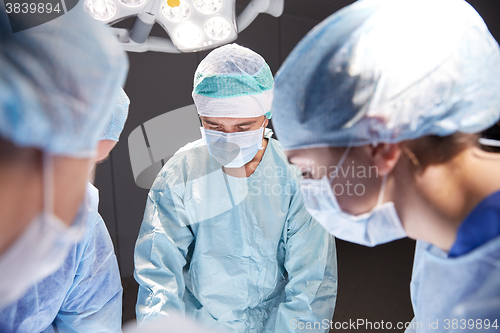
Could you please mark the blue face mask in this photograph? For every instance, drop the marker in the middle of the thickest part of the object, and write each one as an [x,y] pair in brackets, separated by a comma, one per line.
[380,225]
[233,150]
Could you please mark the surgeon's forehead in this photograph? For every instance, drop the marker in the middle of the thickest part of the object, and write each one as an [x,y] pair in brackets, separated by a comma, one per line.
[223,121]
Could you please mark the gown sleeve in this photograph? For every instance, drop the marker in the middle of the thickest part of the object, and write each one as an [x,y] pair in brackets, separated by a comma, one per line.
[311,264]
[160,255]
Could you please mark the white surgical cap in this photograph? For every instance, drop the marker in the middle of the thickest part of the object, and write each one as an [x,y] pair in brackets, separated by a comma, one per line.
[388,71]
[233,81]
[115,125]
[58,83]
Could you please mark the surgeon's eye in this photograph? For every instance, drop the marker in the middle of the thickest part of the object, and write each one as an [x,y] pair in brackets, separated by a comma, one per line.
[242,129]
[307,174]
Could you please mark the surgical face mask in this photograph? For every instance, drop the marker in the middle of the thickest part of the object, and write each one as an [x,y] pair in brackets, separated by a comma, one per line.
[233,150]
[381,225]
[42,247]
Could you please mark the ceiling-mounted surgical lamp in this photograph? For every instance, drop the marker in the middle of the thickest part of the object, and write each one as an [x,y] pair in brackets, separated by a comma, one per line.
[193,25]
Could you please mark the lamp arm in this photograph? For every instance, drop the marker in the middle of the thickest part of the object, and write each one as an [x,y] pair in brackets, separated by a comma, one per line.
[157,44]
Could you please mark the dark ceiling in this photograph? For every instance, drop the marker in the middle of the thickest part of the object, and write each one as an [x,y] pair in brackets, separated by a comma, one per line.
[316,10]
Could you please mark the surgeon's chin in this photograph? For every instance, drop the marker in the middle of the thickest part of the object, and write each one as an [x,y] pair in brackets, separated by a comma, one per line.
[356,205]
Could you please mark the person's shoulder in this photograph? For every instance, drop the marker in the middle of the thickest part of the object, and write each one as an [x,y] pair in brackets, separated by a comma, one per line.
[191,145]
[484,301]
[189,161]
[276,143]
[188,154]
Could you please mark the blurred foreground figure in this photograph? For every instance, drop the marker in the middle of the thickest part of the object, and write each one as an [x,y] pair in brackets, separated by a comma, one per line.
[226,238]
[58,84]
[85,294]
[397,91]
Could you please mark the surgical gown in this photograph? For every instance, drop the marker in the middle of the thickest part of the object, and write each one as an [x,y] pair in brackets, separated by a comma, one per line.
[84,295]
[237,254]
[460,293]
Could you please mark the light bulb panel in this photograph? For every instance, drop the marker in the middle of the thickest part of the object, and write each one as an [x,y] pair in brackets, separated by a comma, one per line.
[218,34]
[215,20]
[123,9]
[101,10]
[208,7]
[176,14]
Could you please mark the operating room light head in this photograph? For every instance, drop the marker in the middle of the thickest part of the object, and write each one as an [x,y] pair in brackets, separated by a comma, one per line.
[193,25]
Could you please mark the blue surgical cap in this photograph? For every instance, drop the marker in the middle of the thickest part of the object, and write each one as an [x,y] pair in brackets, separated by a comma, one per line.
[115,125]
[233,81]
[58,83]
[388,71]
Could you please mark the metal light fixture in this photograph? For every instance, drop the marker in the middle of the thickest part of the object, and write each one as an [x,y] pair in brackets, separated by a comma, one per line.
[193,25]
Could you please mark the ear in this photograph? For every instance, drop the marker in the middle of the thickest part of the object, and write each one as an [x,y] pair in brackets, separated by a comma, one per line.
[385,156]
[266,122]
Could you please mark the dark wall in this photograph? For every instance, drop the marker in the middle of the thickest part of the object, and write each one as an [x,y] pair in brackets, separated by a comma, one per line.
[373,282]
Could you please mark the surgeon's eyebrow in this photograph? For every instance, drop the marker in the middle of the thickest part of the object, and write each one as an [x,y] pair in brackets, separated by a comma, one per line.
[210,122]
[247,123]
[237,125]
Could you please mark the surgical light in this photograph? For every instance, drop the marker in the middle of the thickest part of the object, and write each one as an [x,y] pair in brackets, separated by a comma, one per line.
[177,13]
[188,35]
[208,6]
[217,28]
[102,10]
[132,3]
[192,25]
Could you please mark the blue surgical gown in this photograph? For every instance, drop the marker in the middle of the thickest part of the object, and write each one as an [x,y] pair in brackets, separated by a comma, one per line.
[84,295]
[237,254]
[460,293]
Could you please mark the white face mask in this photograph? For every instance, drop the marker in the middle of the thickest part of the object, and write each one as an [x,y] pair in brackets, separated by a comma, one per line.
[42,248]
[381,225]
[233,150]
